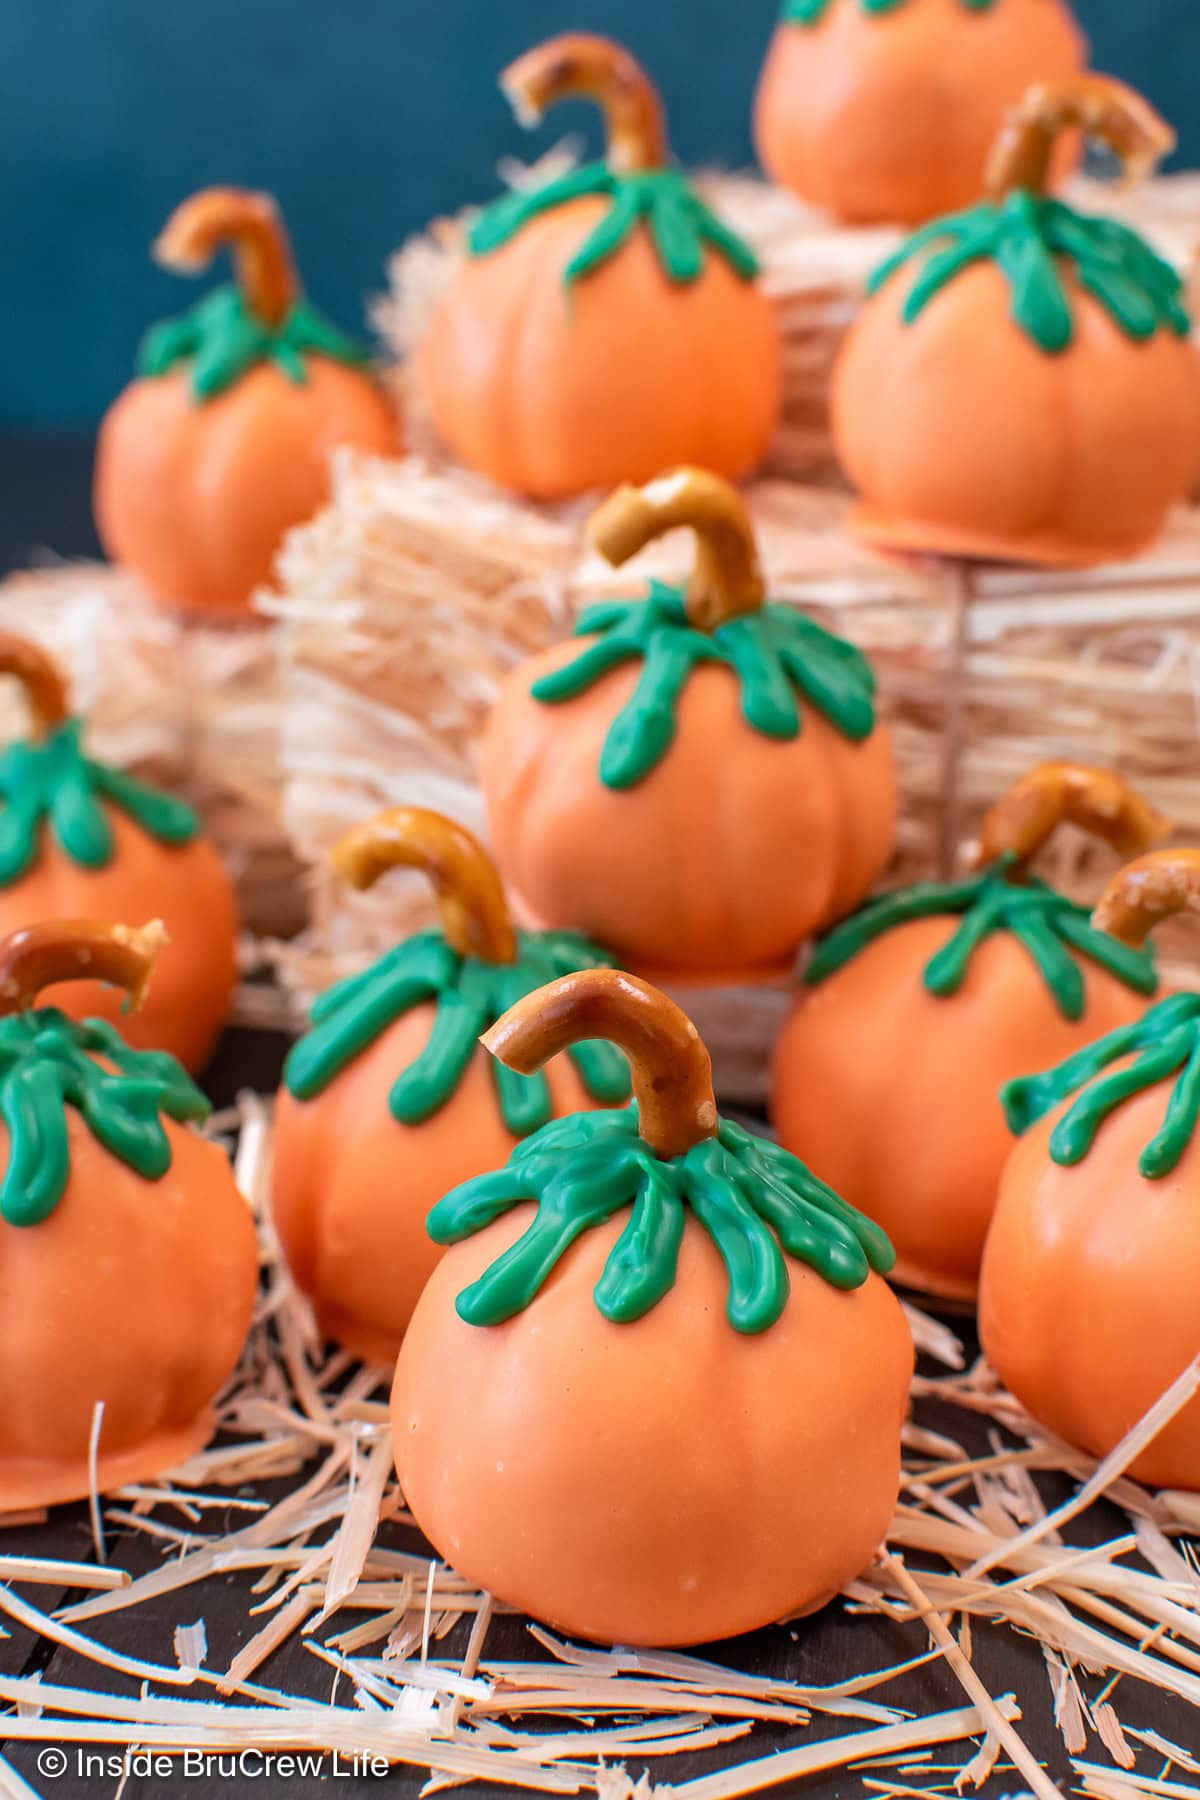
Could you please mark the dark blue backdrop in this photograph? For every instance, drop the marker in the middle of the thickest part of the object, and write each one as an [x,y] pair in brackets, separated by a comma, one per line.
[364,116]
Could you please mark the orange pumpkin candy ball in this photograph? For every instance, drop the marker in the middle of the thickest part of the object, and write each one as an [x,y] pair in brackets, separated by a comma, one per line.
[607,324]
[702,782]
[208,460]
[1087,1301]
[918,1010]
[389,1101]
[128,1258]
[79,839]
[658,1293]
[884,111]
[1022,384]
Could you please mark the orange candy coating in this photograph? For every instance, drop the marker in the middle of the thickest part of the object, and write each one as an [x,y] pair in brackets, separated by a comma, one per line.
[892,1094]
[196,496]
[352,1186]
[184,885]
[963,437]
[1087,1302]
[662,1482]
[554,391]
[889,120]
[135,1293]
[740,845]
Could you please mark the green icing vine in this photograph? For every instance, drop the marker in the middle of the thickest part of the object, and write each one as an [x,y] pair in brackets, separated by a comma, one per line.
[47,1063]
[1052,928]
[683,230]
[224,340]
[1029,237]
[471,995]
[811,12]
[53,783]
[753,1198]
[1165,1042]
[776,653]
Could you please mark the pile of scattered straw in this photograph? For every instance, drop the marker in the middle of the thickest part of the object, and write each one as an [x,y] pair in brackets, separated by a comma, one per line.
[405,604]
[419,1666]
[195,707]
[813,269]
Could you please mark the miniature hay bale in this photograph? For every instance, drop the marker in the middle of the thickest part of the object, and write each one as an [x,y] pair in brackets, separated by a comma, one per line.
[405,603]
[814,270]
[193,707]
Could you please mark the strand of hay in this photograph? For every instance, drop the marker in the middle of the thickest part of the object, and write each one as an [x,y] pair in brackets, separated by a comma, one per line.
[814,270]
[584,1718]
[192,707]
[405,604]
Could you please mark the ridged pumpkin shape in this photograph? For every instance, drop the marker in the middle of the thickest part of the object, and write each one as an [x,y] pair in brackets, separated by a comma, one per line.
[889,117]
[892,1094]
[205,463]
[605,324]
[351,1185]
[758,1474]
[1087,1297]
[197,499]
[729,853]
[963,437]
[135,1293]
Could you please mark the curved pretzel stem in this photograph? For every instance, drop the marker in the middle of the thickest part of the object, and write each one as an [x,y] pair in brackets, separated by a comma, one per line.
[39,675]
[1099,106]
[726,578]
[1150,890]
[581,65]
[1102,803]
[251,225]
[40,956]
[672,1071]
[474,912]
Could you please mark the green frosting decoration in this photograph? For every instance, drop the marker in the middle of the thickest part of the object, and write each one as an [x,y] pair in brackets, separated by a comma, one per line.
[1165,1042]
[811,12]
[1052,928]
[224,340]
[471,995]
[51,782]
[1030,238]
[683,230]
[47,1063]
[776,654]
[753,1198]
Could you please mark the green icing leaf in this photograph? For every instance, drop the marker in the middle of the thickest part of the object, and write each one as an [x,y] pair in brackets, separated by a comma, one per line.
[776,653]
[1165,1042]
[52,783]
[811,12]
[1051,928]
[224,341]
[754,1199]
[47,1063]
[682,228]
[470,995]
[1031,238]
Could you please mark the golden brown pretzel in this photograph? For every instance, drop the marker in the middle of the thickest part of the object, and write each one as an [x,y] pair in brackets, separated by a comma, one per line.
[250,224]
[39,675]
[39,956]
[726,578]
[1152,889]
[581,65]
[672,1071]
[1098,105]
[475,915]
[1100,802]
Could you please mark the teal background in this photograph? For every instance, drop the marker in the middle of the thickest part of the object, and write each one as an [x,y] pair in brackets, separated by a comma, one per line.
[365,117]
